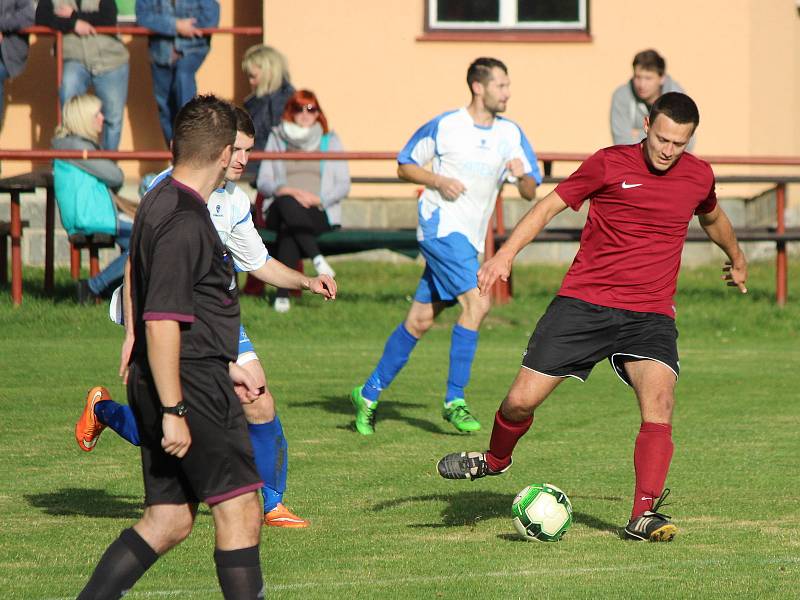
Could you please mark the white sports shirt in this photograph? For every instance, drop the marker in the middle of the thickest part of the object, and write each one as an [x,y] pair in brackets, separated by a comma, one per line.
[477,157]
[229,208]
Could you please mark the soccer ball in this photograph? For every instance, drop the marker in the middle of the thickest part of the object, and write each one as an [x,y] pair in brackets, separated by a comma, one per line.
[542,512]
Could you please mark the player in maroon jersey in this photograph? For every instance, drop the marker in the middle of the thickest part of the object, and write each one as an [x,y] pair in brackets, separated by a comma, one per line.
[616,300]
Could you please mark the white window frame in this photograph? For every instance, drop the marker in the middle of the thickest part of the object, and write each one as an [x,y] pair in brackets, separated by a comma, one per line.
[508,20]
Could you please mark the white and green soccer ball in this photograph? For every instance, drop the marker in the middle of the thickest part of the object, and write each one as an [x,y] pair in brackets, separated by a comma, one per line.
[542,512]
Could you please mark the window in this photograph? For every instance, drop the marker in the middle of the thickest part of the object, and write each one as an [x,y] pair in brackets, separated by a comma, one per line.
[515,16]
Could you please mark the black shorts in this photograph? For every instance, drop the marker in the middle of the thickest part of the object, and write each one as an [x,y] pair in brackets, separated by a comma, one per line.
[573,336]
[219,464]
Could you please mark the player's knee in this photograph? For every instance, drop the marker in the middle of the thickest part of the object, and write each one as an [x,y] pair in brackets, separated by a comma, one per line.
[418,325]
[517,406]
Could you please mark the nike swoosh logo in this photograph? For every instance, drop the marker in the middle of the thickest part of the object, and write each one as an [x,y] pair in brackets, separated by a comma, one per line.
[89,444]
[627,186]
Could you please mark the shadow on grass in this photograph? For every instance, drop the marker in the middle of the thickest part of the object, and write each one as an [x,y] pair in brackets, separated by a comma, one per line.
[87,503]
[466,509]
[389,411]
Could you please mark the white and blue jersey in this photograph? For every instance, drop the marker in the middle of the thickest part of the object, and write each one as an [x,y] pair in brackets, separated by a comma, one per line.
[229,208]
[477,157]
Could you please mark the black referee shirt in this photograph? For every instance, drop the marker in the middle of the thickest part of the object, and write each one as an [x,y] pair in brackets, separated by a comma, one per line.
[180,271]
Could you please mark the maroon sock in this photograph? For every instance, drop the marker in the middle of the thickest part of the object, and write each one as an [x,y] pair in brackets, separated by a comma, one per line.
[505,435]
[651,456]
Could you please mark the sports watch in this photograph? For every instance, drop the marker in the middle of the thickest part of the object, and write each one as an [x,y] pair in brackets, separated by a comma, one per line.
[179,410]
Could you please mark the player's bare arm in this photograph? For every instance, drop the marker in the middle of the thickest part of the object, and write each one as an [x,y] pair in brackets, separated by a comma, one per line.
[275,273]
[718,228]
[127,315]
[163,356]
[499,266]
[525,183]
[448,187]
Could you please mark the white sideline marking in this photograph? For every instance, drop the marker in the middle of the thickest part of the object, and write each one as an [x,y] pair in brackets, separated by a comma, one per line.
[444,578]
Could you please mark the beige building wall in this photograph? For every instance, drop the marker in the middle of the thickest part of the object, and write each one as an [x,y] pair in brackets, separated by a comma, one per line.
[740,59]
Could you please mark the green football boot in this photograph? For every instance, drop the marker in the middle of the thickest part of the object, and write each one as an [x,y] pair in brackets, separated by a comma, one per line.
[365,414]
[457,413]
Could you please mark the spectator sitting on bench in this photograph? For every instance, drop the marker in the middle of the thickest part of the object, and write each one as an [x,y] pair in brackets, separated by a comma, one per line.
[305,195]
[94,180]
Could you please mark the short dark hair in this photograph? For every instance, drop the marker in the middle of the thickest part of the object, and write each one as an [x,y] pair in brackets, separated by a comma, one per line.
[650,60]
[481,70]
[203,127]
[678,107]
[243,122]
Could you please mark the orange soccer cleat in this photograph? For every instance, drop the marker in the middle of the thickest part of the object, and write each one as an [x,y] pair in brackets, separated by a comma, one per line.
[88,428]
[280,516]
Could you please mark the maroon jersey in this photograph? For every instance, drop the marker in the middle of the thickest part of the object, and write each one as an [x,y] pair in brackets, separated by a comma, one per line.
[631,244]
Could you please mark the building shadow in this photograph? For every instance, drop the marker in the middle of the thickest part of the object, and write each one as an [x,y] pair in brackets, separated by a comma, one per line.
[69,502]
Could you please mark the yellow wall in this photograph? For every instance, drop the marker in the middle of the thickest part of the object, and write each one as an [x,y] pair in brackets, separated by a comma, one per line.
[739,59]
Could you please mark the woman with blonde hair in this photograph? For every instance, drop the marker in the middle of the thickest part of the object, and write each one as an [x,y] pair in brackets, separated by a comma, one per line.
[86,190]
[268,75]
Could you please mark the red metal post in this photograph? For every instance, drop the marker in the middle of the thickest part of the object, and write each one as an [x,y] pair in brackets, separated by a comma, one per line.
[781,266]
[501,292]
[49,231]
[16,251]
[74,262]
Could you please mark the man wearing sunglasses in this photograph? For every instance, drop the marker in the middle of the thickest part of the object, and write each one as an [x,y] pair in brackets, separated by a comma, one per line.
[472,152]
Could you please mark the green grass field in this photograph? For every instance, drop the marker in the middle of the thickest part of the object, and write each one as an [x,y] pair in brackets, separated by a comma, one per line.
[384,525]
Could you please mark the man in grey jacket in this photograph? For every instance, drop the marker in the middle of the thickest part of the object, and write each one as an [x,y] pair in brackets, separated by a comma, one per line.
[631,101]
[14,15]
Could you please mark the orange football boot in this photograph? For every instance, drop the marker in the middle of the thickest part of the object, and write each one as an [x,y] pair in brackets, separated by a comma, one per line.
[280,516]
[88,428]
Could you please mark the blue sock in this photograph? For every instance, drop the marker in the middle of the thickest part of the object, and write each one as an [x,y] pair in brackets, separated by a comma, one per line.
[269,448]
[463,344]
[119,417]
[395,356]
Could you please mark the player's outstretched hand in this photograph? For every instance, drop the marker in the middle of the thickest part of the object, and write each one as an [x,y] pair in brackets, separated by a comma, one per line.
[177,439]
[324,285]
[497,267]
[450,188]
[735,275]
[244,384]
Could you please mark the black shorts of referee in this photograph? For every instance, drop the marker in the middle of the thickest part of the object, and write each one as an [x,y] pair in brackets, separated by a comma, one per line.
[219,464]
[573,336]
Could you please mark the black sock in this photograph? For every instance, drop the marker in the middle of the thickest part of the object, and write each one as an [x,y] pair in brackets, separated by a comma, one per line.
[122,564]
[239,573]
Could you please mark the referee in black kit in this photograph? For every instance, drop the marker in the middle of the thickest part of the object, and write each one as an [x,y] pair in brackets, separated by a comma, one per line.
[195,446]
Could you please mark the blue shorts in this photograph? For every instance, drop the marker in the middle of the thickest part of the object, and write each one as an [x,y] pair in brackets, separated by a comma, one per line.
[451,268]
[245,345]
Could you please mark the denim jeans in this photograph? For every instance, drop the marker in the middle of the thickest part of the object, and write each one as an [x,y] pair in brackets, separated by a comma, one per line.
[111,277]
[174,86]
[3,76]
[110,87]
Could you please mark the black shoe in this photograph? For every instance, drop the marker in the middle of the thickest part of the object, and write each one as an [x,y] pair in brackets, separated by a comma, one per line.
[466,465]
[651,525]
[83,292]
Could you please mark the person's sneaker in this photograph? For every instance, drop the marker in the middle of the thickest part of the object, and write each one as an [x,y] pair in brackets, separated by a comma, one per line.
[651,525]
[457,413]
[282,305]
[322,267]
[88,428]
[365,414]
[280,516]
[467,465]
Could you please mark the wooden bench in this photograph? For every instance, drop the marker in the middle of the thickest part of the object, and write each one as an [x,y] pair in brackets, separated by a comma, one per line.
[92,242]
[5,232]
